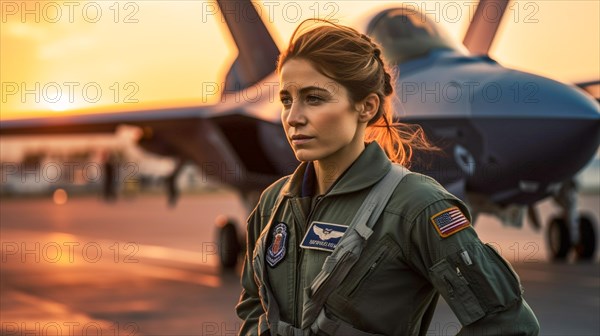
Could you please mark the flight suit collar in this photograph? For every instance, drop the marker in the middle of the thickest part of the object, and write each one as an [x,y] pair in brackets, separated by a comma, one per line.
[371,165]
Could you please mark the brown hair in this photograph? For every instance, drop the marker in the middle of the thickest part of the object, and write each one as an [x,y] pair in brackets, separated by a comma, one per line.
[355,61]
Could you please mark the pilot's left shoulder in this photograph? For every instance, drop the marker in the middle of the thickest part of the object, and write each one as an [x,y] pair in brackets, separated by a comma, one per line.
[416,192]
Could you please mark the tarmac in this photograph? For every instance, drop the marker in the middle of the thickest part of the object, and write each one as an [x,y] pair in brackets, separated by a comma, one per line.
[138,267]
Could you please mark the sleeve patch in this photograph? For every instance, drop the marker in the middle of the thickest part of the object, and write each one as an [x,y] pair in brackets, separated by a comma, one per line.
[449,221]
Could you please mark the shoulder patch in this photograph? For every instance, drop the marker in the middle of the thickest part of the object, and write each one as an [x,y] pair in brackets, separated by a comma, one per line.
[277,250]
[449,221]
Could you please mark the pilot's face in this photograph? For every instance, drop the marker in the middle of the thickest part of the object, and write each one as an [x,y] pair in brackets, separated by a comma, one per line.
[319,120]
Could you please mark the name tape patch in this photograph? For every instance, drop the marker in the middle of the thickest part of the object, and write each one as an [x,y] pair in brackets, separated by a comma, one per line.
[449,221]
[323,236]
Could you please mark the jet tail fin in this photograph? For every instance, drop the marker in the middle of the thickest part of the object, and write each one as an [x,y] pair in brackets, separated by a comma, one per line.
[258,52]
[484,25]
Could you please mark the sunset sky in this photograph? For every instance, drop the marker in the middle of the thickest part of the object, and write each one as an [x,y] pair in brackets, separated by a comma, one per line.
[130,55]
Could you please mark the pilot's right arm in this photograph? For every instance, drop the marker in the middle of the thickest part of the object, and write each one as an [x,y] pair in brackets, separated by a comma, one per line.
[249,308]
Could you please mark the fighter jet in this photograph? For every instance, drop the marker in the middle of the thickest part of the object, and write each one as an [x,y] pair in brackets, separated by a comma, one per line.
[510,139]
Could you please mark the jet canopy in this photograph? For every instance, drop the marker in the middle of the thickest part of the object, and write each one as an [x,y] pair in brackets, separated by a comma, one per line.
[406,34]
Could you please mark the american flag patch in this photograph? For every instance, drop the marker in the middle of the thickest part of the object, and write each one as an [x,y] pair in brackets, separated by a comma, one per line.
[449,221]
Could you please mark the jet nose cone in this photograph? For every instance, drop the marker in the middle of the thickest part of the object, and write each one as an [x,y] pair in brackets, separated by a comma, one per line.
[525,95]
[540,129]
[558,118]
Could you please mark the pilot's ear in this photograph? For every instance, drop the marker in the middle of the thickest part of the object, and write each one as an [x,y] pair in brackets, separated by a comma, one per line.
[367,108]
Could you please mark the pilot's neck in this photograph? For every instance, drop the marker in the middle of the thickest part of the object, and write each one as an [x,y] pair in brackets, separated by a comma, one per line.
[328,170]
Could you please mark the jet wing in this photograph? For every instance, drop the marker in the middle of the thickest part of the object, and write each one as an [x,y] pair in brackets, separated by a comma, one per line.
[102,122]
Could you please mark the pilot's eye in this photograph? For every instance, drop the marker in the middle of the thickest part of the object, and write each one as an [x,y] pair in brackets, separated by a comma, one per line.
[286,101]
[314,99]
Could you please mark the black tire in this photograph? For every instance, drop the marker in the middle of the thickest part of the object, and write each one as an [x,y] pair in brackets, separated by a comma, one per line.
[559,239]
[587,244]
[229,246]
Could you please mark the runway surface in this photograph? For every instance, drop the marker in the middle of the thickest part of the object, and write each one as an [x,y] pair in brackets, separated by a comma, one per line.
[138,267]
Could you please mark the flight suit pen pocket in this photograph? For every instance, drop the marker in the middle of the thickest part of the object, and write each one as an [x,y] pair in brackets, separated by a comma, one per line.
[491,278]
[456,291]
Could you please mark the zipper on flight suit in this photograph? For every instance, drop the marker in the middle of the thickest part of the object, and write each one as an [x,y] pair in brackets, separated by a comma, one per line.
[461,276]
[300,255]
[449,287]
[381,254]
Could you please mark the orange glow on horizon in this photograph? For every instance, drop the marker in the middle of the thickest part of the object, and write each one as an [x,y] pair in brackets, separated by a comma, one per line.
[126,56]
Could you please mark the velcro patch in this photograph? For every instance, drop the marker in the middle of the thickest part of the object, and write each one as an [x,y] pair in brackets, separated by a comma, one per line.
[323,236]
[449,221]
[277,250]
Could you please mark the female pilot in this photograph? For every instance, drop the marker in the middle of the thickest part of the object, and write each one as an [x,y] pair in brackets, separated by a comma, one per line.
[335,94]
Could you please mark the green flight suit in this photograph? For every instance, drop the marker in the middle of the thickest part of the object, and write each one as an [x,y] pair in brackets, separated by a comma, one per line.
[406,264]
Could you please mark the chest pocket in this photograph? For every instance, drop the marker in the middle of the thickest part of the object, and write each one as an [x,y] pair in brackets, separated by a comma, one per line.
[374,262]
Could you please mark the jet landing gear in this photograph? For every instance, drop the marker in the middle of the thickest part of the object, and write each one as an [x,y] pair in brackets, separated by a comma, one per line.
[229,246]
[571,230]
[560,242]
